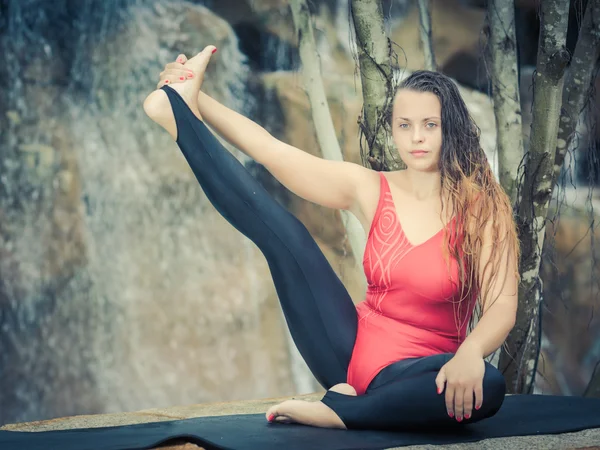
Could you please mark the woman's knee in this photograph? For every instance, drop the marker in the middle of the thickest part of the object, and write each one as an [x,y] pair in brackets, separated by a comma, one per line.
[343,388]
[494,388]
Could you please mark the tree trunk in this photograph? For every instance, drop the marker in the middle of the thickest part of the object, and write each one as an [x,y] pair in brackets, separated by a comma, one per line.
[519,364]
[505,92]
[425,31]
[374,58]
[578,82]
[330,147]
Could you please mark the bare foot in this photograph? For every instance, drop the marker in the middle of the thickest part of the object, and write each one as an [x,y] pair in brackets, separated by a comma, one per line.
[316,414]
[157,105]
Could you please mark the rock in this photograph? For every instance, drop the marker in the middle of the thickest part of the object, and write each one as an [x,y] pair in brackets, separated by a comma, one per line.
[118,275]
[13,117]
[43,252]
[195,293]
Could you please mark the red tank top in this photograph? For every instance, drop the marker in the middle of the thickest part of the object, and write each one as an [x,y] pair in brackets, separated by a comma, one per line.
[412,306]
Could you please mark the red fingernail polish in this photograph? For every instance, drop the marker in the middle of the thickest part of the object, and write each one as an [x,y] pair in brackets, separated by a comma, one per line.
[467,416]
[439,390]
[181,78]
[477,407]
[451,414]
[271,417]
[166,81]
[459,419]
[214,51]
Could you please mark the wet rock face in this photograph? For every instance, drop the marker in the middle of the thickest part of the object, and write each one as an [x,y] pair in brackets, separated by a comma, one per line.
[122,288]
[42,247]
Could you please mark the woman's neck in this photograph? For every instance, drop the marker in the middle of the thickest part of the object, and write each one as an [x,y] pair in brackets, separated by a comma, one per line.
[423,185]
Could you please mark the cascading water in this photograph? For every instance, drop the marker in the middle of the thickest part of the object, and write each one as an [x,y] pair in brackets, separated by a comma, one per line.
[121,287]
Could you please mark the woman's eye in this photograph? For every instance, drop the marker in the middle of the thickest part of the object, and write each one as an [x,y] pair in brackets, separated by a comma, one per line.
[428,125]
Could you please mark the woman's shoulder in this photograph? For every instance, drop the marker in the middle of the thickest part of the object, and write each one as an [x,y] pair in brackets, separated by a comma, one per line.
[397,179]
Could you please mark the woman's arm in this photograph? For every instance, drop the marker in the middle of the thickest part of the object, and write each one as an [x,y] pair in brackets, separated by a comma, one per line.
[235,128]
[500,308]
[462,377]
[333,184]
[491,331]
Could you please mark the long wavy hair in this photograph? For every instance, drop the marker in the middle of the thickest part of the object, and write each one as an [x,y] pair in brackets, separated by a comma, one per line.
[477,200]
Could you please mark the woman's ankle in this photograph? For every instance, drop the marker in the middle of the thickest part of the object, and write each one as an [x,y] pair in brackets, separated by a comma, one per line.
[158,108]
[154,104]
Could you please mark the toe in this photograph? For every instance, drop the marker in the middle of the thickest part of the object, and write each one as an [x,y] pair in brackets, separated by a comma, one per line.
[271,413]
[199,62]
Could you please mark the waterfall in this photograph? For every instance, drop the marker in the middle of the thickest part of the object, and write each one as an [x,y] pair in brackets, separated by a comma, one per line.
[122,288]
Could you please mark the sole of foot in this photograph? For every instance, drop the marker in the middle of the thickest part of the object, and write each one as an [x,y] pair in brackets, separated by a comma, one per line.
[315,414]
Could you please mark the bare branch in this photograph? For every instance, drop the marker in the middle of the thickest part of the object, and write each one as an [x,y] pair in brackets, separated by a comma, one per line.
[425,31]
[523,342]
[578,82]
[321,115]
[374,57]
[505,92]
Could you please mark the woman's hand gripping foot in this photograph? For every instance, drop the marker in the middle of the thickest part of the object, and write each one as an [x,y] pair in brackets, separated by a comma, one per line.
[316,414]
[185,77]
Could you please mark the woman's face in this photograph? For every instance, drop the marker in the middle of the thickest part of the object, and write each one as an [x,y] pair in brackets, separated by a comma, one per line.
[417,129]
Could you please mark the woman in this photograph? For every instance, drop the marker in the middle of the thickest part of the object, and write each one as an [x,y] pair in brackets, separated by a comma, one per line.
[441,239]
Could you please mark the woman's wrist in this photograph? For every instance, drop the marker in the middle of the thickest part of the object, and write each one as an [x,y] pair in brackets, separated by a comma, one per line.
[471,348]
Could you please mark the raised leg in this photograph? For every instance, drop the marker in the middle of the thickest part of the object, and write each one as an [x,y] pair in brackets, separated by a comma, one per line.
[317,307]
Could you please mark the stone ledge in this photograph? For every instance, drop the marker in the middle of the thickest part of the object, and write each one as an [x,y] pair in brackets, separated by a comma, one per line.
[587,439]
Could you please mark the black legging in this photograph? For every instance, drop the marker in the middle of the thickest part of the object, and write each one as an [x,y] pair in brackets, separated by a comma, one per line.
[317,307]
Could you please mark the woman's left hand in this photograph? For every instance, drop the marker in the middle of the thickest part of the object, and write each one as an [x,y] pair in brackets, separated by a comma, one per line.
[463,379]
[175,72]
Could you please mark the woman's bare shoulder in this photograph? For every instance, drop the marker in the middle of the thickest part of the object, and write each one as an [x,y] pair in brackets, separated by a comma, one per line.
[397,179]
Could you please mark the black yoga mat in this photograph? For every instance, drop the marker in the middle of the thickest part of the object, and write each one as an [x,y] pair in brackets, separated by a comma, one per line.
[520,415]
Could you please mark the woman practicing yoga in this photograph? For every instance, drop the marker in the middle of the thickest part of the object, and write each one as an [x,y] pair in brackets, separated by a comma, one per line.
[441,238]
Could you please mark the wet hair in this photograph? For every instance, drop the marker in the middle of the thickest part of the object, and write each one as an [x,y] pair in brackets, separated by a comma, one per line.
[478,201]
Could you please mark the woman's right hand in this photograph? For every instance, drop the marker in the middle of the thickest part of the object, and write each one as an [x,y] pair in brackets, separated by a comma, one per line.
[175,72]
